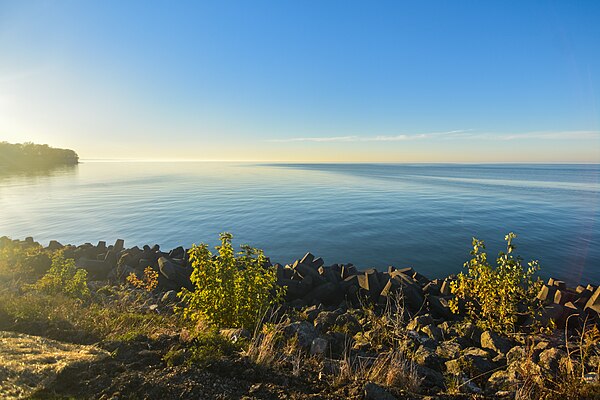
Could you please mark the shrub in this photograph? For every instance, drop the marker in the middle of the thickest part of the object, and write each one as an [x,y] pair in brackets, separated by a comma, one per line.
[494,298]
[63,277]
[19,259]
[148,282]
[231,290]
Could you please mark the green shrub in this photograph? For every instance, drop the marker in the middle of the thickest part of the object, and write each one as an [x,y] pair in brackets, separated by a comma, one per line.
[231,290]
[23,260]
[494,298]
[63,277]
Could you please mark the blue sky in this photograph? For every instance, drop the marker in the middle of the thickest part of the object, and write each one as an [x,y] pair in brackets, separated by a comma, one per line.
[422,81]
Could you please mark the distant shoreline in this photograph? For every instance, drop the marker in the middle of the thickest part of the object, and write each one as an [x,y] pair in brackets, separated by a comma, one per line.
[29,156]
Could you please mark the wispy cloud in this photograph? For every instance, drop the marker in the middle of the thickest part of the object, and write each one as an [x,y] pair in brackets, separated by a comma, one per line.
[393,138]
[452,135]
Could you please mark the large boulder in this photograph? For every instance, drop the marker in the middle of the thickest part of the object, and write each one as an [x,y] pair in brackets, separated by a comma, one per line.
[493,341]
[178,274]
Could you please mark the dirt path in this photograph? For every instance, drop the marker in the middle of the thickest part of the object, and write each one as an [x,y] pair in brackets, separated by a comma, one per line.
[29,362]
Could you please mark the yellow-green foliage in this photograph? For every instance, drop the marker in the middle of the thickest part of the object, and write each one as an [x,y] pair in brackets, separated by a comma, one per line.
[63,277]
[232,290]
[494,297]
[22,259]
[149,281]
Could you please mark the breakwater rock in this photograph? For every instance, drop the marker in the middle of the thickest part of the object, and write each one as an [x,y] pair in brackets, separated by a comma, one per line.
[309,282]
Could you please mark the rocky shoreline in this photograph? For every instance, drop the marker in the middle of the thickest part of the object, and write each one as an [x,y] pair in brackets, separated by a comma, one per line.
[336,313]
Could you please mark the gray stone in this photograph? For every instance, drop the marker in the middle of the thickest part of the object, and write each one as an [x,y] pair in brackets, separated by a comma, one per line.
[448,350]
[593,303]
[516,354]
[175,273]
[325,321]
[550,359]
[375,392]
[170,297]
[433,332]
[493,341]
[319,347]
[305,332]
[426,357]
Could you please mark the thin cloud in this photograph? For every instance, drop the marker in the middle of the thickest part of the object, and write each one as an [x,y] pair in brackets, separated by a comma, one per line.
[395,138]
[452,135]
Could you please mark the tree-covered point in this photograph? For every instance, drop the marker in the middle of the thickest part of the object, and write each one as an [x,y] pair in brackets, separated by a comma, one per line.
[28,155]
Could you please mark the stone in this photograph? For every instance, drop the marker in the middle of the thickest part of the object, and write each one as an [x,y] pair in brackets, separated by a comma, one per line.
[516,355]
[433,332]
[432,378]
[445,289]
[448,350]
[178,252]
[96,269]
[325,321]
[178,274]
[304,331]
[420,321]
[550,359]
[348,323]
[493,341]
[170,297]
[307,259]
[54,245]
[563,296]
[306,270]
[119,245]
[426,357]
[503,380]
[319,347]
[593,303]
[439,306]
[327,293]
[373,391]
[546,294]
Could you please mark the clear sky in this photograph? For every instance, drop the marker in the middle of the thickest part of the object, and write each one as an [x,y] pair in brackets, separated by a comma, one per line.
[372,81]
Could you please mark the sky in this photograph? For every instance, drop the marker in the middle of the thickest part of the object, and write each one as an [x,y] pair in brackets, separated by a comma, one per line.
[304,81]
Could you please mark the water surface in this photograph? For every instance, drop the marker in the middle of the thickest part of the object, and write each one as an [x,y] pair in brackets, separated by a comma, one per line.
[368,214]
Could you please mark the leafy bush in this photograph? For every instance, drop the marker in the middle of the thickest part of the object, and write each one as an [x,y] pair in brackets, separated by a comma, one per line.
[22,259]
[494,298]
[63,277]
[232,290]
[148,282]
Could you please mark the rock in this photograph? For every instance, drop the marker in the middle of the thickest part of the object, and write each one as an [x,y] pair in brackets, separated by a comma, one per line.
[503,380]
[97,269]
[319,347]
[327,293]
[54,245]
[432,377]
[474,361]
[175,273]
[550,359]
[426,357]
[119,245]
[493,341]
[325,321]
[170,297]
[516,354]
[593,303]
[546,294]
[305,332]
[448,350]
[439,306]
[433,332]
[348,323]
[419,322]
[445,289]
[375,392]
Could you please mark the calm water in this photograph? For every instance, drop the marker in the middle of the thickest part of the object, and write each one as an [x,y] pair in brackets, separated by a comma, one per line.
[371,215]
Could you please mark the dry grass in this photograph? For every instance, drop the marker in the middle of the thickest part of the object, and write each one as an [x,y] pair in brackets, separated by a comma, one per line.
[29,362]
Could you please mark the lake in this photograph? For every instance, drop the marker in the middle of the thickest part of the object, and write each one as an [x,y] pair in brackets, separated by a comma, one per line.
[371,215]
